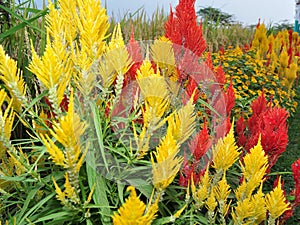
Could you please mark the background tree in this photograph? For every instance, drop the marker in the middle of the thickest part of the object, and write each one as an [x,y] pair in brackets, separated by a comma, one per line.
[215,16]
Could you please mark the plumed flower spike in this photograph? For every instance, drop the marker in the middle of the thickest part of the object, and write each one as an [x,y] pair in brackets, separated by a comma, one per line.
[182,27]
[70,155]
[54,71]
[201,192]
[67,131]
[6,123]
[133,211]
[155,92]
[276,203]
[226,152]
[251,210]
[167,162]
[254,168]
[296,174]
[163,55]
[91,21]
[13,80]
[116,59]
[183,122]
[256,163]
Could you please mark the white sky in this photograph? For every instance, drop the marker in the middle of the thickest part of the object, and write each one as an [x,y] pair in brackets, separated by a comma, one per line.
[245,11]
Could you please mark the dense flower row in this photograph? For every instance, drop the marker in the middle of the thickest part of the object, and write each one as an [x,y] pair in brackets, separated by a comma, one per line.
[250,76]
[145,118]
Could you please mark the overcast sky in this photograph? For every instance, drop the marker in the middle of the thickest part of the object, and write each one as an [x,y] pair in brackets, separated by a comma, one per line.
[245,11]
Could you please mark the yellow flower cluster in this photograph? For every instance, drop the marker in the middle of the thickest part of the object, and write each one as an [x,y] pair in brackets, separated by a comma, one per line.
[12,159]
[67,131]
[280,53]
[213,190]
[250,76]
[84,64]
[133,211]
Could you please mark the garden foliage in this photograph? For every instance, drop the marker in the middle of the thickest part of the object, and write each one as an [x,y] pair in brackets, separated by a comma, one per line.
[146,132]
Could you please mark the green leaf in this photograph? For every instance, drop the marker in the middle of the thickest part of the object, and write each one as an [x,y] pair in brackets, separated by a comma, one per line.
[53,216]
[100,193]
[99,132]
[23,23]
[34,208]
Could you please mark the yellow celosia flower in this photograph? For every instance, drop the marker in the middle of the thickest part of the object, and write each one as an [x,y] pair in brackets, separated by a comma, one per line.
[70,191]
[211,205]
[251,210]
[132,212]
[163,55]
[254,170]
[53,70]
[259,206]
[201,192]
[6,123]
[155,92]
[167,162]
[67,196]
[145,70]
[291,74]
[92,23]
[67,131]
[221,192]
[276,203]
[225,153]
[60,194]
[284,58]
[260,41]
[56,154]
[60,22]
[183,122]
[116,60]
[13,80]
[243,211]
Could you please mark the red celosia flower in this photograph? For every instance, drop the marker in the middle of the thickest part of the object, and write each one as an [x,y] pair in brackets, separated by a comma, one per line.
[229,98]
[273,129]
[222,50]
[223,102]
[135,52]
[222,129]
[220,76]
[182,27]
[240,130]
[192,88]
[196,165]
[209,61]
[270,123]
[134,49]
[200,144]
[296,174]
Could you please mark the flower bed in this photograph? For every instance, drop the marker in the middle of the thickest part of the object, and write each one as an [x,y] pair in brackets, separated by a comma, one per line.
[145,132]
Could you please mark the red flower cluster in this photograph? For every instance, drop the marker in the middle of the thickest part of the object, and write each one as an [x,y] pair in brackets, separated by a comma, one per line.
[295,192]
[182,28]
[270,123]
[296,173]
[196,166]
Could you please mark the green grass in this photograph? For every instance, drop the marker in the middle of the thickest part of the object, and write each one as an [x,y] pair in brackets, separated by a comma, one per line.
[26,26]
[289,156]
